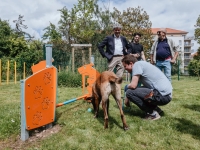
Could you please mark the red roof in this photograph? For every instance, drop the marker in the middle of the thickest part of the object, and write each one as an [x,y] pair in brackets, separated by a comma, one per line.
[169,31]
[194,54]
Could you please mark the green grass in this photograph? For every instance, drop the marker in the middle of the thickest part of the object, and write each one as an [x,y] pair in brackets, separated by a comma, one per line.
[178,129]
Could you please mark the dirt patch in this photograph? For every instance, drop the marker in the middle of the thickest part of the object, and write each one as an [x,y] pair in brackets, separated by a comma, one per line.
[35,136]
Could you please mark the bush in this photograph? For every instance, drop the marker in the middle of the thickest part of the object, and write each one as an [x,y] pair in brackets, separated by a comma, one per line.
[69,79]
[194,68]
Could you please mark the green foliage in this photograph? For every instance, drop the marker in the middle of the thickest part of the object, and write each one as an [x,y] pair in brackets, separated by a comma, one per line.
[78,25]
[14,47]
[52,33]
[64,23]
[6,33]
[197,56]
[69,79]
[197,30]
[135,20]
[194,68]
[174,69]
[194,65]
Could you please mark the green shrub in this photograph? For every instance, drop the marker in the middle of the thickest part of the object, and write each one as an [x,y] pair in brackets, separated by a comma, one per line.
[69,79]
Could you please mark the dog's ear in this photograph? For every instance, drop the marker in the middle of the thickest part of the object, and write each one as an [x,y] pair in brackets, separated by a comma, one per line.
[119,80]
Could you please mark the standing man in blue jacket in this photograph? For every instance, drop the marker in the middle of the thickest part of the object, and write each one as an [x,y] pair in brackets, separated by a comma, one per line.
[116,47]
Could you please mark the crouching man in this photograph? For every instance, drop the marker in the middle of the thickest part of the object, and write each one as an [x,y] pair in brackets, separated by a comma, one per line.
[155,91]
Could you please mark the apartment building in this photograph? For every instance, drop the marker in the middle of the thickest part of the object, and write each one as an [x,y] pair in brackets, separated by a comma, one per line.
[183,41]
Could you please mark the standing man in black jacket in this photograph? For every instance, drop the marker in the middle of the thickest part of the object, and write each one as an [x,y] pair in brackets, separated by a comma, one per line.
[116,48]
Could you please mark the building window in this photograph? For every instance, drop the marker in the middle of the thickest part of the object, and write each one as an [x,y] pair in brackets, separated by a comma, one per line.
[180,42]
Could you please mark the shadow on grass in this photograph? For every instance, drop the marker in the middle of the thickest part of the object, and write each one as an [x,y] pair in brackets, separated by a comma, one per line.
[59,113]
[132,111]
[188,127]
[193,107]
[111,121]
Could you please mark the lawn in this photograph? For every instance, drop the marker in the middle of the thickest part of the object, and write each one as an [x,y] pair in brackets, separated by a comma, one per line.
[178,129]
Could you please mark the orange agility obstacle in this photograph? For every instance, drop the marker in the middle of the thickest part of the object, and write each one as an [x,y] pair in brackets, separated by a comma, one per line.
[38,93]
[89,76]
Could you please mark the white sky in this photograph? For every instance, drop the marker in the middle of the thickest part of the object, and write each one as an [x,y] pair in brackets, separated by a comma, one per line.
[176,14]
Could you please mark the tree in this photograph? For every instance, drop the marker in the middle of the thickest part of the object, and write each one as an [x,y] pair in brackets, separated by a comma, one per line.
[78,25]
[6,33]
[197,30]
[18,29]
[51,33]
[65,23]
[194,65]
[135,20]
[194,68]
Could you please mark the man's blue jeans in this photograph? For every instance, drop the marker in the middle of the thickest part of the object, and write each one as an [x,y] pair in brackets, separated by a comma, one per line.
[166,67]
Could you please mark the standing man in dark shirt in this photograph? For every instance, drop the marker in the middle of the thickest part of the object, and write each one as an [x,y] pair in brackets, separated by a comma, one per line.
[116,47]
[136,49]
[164,53]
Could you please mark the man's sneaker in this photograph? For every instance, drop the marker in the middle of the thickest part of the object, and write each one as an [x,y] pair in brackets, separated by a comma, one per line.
[153,116]
[160,111]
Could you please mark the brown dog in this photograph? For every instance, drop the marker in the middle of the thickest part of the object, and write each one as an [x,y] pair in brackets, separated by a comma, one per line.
[108,83]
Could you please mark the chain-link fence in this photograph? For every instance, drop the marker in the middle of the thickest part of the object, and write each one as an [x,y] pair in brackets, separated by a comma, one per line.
[74,57]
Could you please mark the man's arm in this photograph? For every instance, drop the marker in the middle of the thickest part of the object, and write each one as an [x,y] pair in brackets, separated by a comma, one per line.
[102,45]
[134,82]
[143,56]
[175,56]
[152,53]
[127,45]
[151,58]
[175,49]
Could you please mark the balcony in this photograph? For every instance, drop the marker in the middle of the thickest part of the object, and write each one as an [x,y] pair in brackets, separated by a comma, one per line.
[186,63]
[187,44]
[189,38]
[187,51]
[187,57]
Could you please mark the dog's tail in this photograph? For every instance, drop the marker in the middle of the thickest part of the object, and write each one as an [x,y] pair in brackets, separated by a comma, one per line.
[113,78]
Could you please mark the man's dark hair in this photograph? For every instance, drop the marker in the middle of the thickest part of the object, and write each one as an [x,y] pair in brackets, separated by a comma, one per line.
[136,33]
[128,59]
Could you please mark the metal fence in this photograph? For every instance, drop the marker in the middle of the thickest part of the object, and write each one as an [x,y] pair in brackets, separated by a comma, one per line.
[65,60]
[72,58]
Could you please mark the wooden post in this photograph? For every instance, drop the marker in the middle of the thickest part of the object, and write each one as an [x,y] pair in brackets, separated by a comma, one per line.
[8,66]
[73,59]
[90,53]
[83,57]
[58,68]
[80,45]
[15,72]
[24,70]
[67,68]
[0,71]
